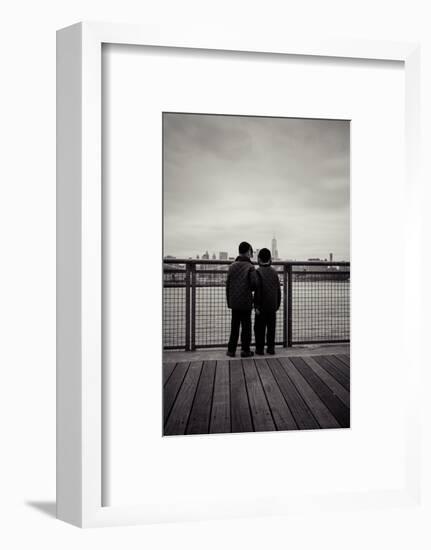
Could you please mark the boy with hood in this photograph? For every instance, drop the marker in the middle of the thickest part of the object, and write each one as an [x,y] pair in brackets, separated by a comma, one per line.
[240,284]
[267,298]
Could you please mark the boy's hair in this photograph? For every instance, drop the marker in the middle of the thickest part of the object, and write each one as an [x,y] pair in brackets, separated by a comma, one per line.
[264,256]
[244,247]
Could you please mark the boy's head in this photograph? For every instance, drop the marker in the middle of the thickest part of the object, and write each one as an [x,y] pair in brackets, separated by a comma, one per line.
[245,249]
[264,257]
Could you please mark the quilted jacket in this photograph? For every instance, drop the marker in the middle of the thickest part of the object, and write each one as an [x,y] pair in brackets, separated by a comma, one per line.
[267,297]
[240,283]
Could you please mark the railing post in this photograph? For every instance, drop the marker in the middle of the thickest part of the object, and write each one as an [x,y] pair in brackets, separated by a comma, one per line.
[289,305]
[285,305]
[188,277]
[193,307]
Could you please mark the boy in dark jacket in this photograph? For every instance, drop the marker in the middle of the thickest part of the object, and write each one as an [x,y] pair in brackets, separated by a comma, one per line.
[240,284]
[267,298]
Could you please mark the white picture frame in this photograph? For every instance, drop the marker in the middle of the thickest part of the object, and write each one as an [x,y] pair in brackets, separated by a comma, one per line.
[79,257]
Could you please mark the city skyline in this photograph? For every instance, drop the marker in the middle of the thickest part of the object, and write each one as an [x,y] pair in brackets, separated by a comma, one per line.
[225,254]
[231,253]
[233,178]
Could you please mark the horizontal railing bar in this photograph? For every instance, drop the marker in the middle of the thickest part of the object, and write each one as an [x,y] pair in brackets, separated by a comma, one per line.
[335,273]
[208,346]
[182,284]
[228,262]
[209,271]
[219,272]
[304,342]
[332,341]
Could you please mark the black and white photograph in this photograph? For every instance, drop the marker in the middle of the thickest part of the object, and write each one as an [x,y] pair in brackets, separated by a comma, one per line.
[256,273]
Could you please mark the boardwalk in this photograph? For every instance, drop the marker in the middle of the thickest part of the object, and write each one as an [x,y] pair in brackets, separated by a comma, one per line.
[302,392]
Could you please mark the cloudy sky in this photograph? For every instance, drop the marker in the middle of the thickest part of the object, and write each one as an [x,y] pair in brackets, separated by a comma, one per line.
[230,178]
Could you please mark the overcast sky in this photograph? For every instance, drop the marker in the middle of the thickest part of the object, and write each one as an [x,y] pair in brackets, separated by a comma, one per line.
[229,179]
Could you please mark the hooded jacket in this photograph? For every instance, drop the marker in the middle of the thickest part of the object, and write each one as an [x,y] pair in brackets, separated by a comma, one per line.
[240,283]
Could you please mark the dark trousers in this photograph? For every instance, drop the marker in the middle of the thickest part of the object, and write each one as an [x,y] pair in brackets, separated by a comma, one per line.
[240,319]
[264,321]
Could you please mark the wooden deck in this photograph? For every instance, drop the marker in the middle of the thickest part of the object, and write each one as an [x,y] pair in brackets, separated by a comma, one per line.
[263,394]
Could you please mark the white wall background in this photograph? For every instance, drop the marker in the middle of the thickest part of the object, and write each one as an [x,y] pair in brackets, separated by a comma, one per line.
[27,271]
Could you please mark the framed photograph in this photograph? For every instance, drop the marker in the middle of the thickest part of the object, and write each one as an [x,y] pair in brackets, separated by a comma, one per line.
[226,177]
[231,341]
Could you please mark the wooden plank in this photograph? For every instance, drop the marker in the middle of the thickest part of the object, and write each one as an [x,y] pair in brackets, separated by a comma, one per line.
[333,371]
[200,415]
[172,387]
[339,364]
[260,411]
[301,413]
[320,411]
[220,414]
[179,415]
[336,388]
[345,358]
[240,409]
[332,402]
[168,368]
[280,411]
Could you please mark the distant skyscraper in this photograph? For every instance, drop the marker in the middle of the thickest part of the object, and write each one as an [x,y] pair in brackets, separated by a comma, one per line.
[214,256]
[223,255]
[330,257]
[274,250]
[205,256]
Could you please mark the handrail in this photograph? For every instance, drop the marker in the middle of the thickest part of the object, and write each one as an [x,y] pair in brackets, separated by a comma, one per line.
[195,261]
[302,318]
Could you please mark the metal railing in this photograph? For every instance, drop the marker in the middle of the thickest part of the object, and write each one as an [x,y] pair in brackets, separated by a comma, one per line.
[315,305]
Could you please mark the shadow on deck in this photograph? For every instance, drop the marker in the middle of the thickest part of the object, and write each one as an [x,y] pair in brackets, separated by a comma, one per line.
[295,390]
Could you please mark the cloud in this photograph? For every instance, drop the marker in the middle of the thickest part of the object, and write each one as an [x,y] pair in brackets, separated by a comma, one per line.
[230,178]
